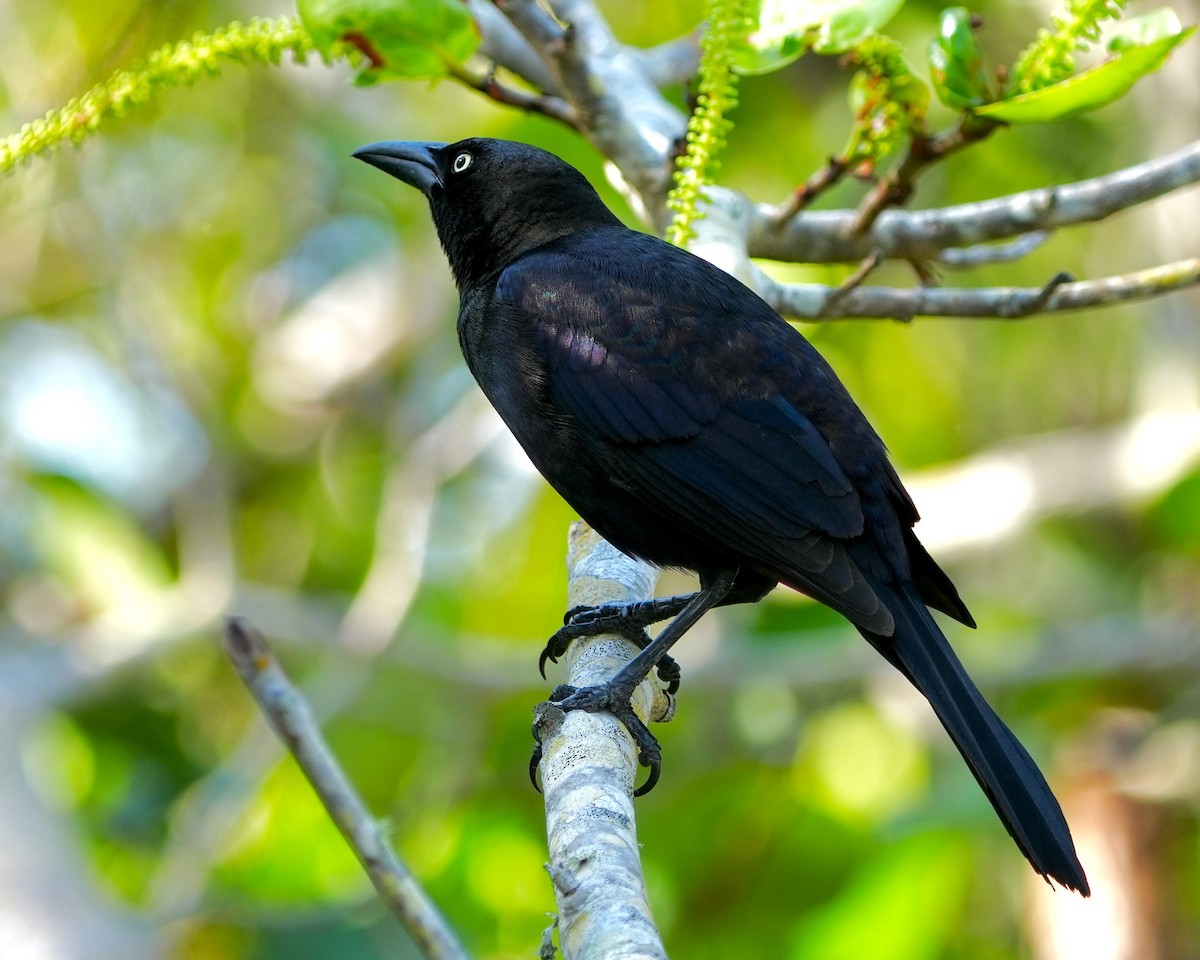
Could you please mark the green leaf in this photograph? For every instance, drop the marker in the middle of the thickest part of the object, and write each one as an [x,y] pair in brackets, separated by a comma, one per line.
[848,23]
[1089,90]
[956,61]
[787,28]
[1144,30]
[401,39]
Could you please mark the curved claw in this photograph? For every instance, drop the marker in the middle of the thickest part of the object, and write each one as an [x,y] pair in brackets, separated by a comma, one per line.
[669,673]
[534,762]
[655,767]
[558,643]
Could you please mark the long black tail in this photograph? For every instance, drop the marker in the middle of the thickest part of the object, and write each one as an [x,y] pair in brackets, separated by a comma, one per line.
[1002,766]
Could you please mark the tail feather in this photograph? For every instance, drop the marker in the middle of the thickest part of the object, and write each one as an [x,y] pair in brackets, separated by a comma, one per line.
[1004,769]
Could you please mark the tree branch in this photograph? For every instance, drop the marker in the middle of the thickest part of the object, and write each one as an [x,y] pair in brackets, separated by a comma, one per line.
[830,237]
[824,179]
[503,44]
[292,719]
[619,107]
[588,767]
[814,301]
[553,107]
[535,24]
[670,63]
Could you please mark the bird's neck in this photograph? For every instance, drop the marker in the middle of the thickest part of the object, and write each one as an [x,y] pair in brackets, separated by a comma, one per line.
[478,249]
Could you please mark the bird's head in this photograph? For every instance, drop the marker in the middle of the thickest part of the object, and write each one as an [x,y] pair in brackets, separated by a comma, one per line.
[492,200]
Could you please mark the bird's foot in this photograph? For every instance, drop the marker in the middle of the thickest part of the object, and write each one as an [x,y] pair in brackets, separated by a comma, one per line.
[628,619]
[606,697]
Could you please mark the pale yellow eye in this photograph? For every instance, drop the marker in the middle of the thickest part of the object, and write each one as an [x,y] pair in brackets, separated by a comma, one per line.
[461,162]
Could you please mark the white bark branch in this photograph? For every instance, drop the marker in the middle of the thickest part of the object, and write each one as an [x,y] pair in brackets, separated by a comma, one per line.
[588,768]
[816,301]
[673,62]
[827,236]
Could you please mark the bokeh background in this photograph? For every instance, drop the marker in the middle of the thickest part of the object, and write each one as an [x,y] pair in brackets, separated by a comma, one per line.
[229,383]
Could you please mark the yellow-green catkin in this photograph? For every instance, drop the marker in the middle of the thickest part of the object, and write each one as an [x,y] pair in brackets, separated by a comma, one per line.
[729,22]
[890,103]
[175,65]
[1050,58]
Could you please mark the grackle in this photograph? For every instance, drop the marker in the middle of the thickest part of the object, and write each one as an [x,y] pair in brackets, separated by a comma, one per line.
[694,428]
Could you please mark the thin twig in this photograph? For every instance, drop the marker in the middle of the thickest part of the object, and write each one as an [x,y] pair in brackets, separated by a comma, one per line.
[984,254]
[926,274]
[855,280]
[812,301]
[547,950]
[555,108]
[292,719]
[813,187]
[895,188]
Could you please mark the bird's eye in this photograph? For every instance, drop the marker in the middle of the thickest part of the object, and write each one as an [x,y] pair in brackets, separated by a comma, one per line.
[461,162]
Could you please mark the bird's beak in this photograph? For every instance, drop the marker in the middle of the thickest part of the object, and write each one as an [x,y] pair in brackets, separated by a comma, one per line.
[414,163]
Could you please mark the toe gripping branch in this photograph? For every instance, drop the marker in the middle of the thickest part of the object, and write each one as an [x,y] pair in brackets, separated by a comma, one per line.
[628,619]
[614,696]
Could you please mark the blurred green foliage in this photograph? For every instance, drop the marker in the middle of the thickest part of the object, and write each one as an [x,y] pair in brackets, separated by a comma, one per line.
[231,384]
[402,39]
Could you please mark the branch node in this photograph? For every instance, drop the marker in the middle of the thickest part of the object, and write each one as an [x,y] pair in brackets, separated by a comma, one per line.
[546,950]
[247,648]
[1045,201]
[663,708]
[807,192]
[548,719]
[839,293]
[567,39]
[926,274]
[1024,306]
[565,882]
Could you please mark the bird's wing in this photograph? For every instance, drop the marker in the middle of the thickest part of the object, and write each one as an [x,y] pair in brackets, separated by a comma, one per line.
[738,461]
[627,378]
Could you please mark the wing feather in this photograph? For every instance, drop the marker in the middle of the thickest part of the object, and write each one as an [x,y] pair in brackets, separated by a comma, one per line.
[761,453]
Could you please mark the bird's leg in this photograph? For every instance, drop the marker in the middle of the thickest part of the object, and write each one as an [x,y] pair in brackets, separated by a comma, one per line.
[628,619]
[614,696]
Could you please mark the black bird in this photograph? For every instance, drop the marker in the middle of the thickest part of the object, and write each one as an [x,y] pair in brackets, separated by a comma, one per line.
[693,427]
